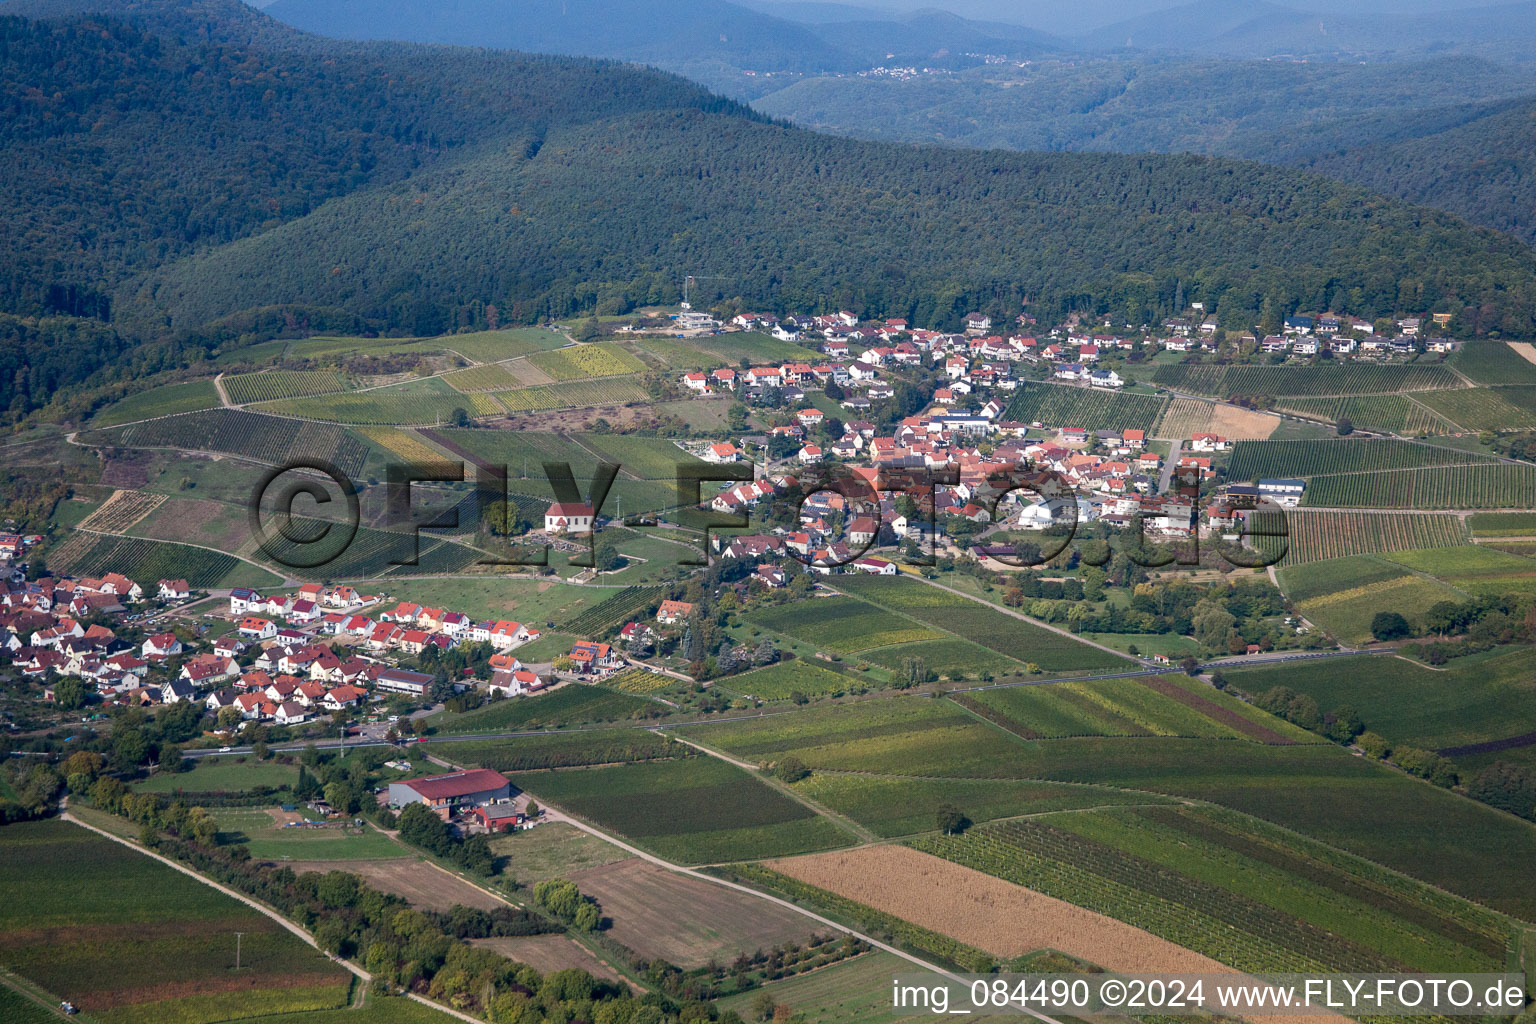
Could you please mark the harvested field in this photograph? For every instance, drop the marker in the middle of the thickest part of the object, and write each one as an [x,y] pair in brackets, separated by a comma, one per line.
[1186,417]
[546,953]
[683,920]
[425,885]
[1524,349]
[1004,919]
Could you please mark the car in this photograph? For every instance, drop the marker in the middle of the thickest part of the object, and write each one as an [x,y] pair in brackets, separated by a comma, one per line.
[225,750]
[421,739]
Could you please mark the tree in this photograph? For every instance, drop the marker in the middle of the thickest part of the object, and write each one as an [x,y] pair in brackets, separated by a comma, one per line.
[1390,626]
[791,769]
[69,693]
[1344,427]
[951,821]
[533,810]
[762,1005]
[590,330]
[459,417]
[129,748]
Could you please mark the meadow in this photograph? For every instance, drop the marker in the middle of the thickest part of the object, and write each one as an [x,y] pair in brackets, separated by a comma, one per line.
[258,832]
[980,623]
[856,991]
[221,775]
[572,704]
[80,907]
[693,810]
[1062,405]
[166,400]
[531,601]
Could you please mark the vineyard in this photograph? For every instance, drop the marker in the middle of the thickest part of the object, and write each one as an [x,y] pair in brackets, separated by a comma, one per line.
[145,561]
[581,394]
[121,511]
[1486,486]
[1493,363]
[576,704]
[490,377]
[651,458]
[841,624]
[387,407]
[1190,881]
[245,388]
[1486,408]
[980,623]
[1339,379]
[494,346]
[783,679]
[369,553]
[1399,414]
[1091,408]
[640,681]
[696,809]
[1318,536]
[1113,707]
[167,400]
[269,439]
[1255,460]
[611,613]
[570,750]
[585,361]
[402,444]
[1503,524]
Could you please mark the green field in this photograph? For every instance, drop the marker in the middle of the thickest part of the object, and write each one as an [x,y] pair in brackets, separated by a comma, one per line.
[221,775]
[80,907]
[856,991]
[758,349]
[1059,405]
[258,832]
[652,458]
[696,810]
[1337,379]
[494,346]
[950,658]
[573,704]
[1476,700]
[530,601]
[1503,524]
[394,406]
[1251,896]
[166,400]
[980,623]
[893,805]
[841,624]
[1475,569]
[553,850]
[780,680]
[1343,594]
[1253,460]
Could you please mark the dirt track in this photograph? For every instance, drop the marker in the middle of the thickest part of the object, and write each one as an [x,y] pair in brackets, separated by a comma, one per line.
[424,885]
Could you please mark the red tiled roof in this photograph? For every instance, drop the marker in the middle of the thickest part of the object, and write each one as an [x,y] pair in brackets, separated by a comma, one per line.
[443,787]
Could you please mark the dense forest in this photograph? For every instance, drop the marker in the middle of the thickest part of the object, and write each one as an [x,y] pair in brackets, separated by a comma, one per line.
[186,177]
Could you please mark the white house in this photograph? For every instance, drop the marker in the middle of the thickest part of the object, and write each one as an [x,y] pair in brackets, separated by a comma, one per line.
[569,517]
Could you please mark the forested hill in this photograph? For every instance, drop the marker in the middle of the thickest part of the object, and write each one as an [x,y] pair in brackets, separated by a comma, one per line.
[198,161]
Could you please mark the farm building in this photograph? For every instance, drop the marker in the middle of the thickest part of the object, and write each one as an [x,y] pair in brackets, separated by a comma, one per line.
[398,680]
[1283,492]
[443,793]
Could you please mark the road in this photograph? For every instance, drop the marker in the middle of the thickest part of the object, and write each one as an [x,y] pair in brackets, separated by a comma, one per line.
[1165,481]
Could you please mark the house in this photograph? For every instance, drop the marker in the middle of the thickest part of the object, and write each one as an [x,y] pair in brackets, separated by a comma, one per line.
[590,656]
[569,517]
[342,697]
[672,612]
[874,566]
[978,322]
[253,628]
[1209,443]
[303,612]
[398,680]
[1105,379]
[161,645]
[1299,325]
[811,454]
[1135,438]
[637,632]
[514,682]
[721,453]
[771,575]
[1283,492]
[242,601]
[290,712]
[173,590]
[862,531]
[501,816]
[443,793]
